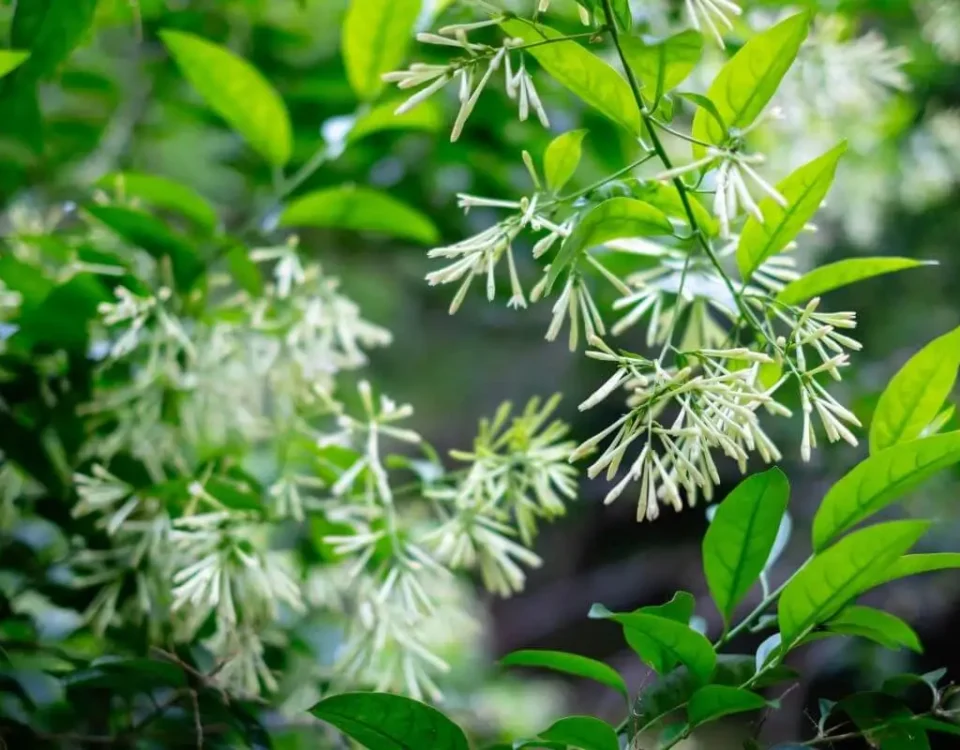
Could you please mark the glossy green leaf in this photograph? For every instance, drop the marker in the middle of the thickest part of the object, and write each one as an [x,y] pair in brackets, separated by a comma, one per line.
[360,209]
[375,37]
[679,609]
[581,71]
[622,14]
[561,158]
[10,59]
[666,197]
[741,536]
[151,234]
[427,116]
[662,65]
[162,192]
[380,721]
[880,480]
[876,625]
[915,395]
[939,726]
[712,702]
[583,732]
[49,29]
[745,85]
[614,219]
[804,191]
[842,273]
[837,575]
[678,640]
[913,565]
[236,91]
[885,721]
[572,664]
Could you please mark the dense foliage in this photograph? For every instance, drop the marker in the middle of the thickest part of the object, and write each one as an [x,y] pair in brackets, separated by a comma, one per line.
[218,530]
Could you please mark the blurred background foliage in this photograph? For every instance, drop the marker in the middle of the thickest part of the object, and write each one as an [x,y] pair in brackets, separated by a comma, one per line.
[884,74]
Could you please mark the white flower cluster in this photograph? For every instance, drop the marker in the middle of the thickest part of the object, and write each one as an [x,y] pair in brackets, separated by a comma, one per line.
[398,559]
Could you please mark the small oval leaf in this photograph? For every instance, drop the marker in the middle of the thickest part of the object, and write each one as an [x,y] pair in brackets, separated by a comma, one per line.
[741,536]
[880,480]
[572,664]
[561,158]
[584,732]
[678,640]
[614,219]
[381,721]
[236,91]
[839,574]
[914,396]
[715,701]
[359,209]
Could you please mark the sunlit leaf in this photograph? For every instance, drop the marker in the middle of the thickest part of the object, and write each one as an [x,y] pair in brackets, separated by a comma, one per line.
[359,209]
[583,732]
[715,701]
[679,609]
[915,395]
[683,644]
[10,59]
[882,627]
[375,37]
[162,192]
[380,721]
[664,195]
[614,219]
[837,575]
[740,538]
[843,272]
[880,480]
[662,65]
[585,74]
[236,91]
[745,85]
[572,664]
[561,158]
[913,565]
[804,191]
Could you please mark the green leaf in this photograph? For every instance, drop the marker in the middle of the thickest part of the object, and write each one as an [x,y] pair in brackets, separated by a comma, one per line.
[360,209]
[614,219]
[679,609]
[10,59]
[678,640]
[50,29]
[914,396]
[715,701]
[839,574]
[876,625]
[561,158]
[936,725]
[741,536]
[804,191]
[880,480]
[664,195]
[375,37]
[236,91]
[244,270]
[843,272]
[162,192]
[572,664]
[426,116]
[912,565]
[151,234]
[585,74]
[584,732]
[622,14]
[708,107]
[662,65]
[745,85]
[380,721]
